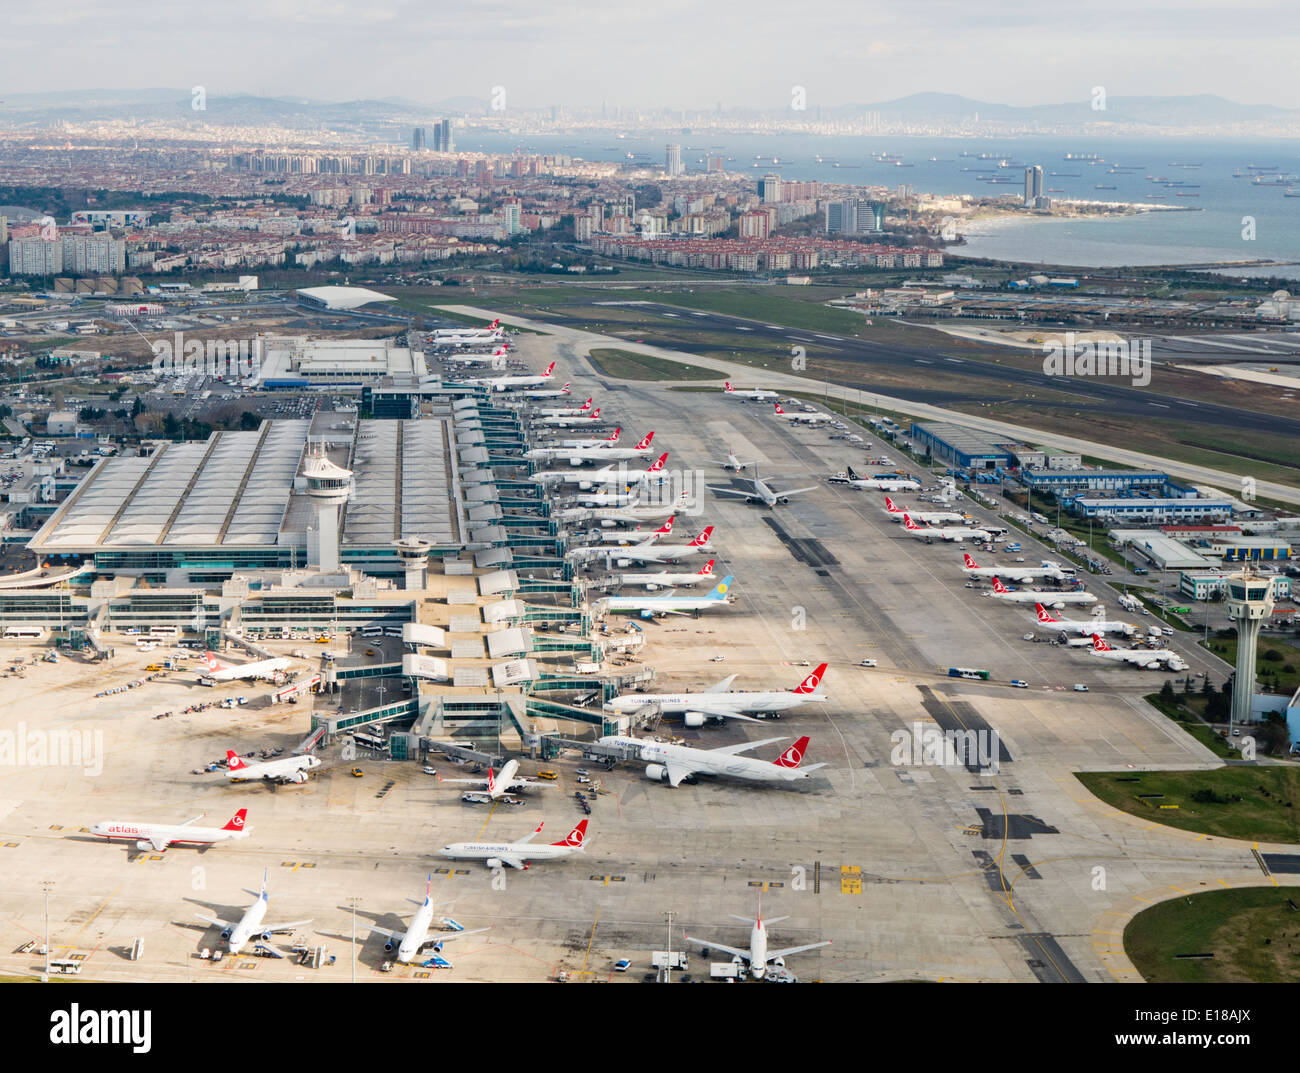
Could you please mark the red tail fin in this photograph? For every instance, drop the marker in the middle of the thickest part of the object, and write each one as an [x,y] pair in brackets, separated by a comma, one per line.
[998,586]
[1098,645]
[495,324]
[574,838]
[908,523]
[889,506]
[586,405]
[549,369]
[613,436]
[969,561]
[703,538]
[645,442]
[1044,615]
[793,755]
[236,821]
[658,464]
[595,413]
[810,684]
[706,569]
[778,407]
[726,386]
[667,527]
[234,761]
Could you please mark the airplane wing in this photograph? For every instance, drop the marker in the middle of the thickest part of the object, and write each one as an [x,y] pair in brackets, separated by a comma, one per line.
[514,862]
[528,782]
[677,771]
[722,713]
[465,782]
[743,747]
[530,836]
[159,844]
[396,936]
[193,819]
[773,954]
[440,938]
[736,492]
[795,491]
[283,927]
[215,922]
[733,951]
[724,685]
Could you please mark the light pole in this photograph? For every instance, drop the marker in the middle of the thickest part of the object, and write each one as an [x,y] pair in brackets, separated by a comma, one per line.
[668,965]
[46,885]
[352,902]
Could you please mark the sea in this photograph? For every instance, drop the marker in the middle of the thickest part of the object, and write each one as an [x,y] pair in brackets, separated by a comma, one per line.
[1222,217]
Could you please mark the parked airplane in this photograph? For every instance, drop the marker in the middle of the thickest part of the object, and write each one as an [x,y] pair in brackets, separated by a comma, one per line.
[494,357]
[456,337]
[250,925]
[609,516]
[518,854]
[955,533]
[625,498]
[719,703]
[1016,572]
[603,441]
[756,394]
[1083,627]
[219,671]
[884,484]
[287,769]
[615,474]
[665,580]
[550,393]
[759,491]
[569,411]
[572,421]
[800,418]
[1149,659]
[671,604]
[502,383]
[652,552]
[495,786]
[158,836]
[1040,596]
[674,763]
[637,535]
[925,517]
[412,942]
[733,464]
[758,956]
[606,452]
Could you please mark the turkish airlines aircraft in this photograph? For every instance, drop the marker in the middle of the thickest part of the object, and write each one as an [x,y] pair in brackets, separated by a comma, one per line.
[620,474]
[758,956]
[518,854]
[733,464]
[287,769]
[604,441]
[571,411]
[671,604]
[496,357]
[572,421]
[638,535]
[652,552]
[158,836]
[1016,572]
[799,418]
[756,394]
[956,533]
[611,515]
[250,925]
[594,451]
[625,498]
[718,704]
[220,671]
[494,786]
[412,942]
[550,393]
[1149,659]
[925,517]
[502,383]
[883,484]
[492,331]
[666,580]
[1053,600]
[1083,627]
[674,763]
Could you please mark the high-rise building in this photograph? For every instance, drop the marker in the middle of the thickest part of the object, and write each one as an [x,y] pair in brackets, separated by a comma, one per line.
[417,138]
[673,160]
[841,218]
[769,188]
[35,257]
[1033,185]
[442,139]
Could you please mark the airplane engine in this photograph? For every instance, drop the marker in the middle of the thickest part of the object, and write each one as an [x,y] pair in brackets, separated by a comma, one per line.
[779,962]
[144,845]
[652,588]
[388,946]
[225,933]
[783,500]
[267,936]
[494,862]
[692,719]
[299,777]
[656,773]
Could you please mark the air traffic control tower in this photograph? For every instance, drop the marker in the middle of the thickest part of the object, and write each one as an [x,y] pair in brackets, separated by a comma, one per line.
[1249,602]
[329,486]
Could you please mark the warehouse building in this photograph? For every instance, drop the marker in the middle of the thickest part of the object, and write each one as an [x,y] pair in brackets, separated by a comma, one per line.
[960,446]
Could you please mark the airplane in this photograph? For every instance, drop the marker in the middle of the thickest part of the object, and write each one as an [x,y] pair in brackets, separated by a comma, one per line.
[570,411]
[594,450]
[1053,600]
[800,418]
[548,393]
[502,383]
[1016,572]
[517,854]
[619,474]
[412,942]
[626,536]
[884,484]
[573,421]
[609,516]
[441,337]
[955,533]
[603,546]
[1148,659]
[758,956]
[496,787]
[756,394]
[289,769]
[229,672]
[718,704]
[158,836]
[604,441]
[666,580]
[760,491]
[1083,627]
[650,551]
[626,498]
[925,517]
[733,464]
[671,604]
[250,926]
[674,763]
[495,357]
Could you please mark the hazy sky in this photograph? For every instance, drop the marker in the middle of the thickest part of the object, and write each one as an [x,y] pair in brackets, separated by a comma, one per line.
[661,52]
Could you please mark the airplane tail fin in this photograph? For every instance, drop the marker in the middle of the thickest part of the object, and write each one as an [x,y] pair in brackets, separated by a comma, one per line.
[575,838]
[495,324]
[778,408]
[549,369]
[720,591]
[707,568]
[890,508]
[726,386]
[658,464]
[791,757]
[1044,615]
[595,413]
[998,586]
[213,663]
[234,761]
[667,527]
[908,523]
[812,682]
[853,476]
[970,563]
[586,405]
[1099,645]
[703,538]
[613,436]
[644,444]
[237,821]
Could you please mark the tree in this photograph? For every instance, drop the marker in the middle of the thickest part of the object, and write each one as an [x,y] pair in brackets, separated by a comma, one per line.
[1167,692]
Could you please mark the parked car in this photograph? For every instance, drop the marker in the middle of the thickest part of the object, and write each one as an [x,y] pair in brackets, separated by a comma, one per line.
[1079,687]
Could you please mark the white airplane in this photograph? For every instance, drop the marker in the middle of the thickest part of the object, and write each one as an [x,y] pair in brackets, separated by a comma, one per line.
[412,942]
[572,421]
[733,464]
[495,357]
[503,383]
[576,452]
[158,836]
[250,926]
[758,956]
[1083,627]
[666,580]
[671,604]
[674,763]
[1149,659]
[518,854]
[652,552]
[955,533]
[1053,600]
[639,512]
[619,474]
[799,418]
[604,441]
[548,393]
[925,517]
[220,671]
[759,491]
[467,336]
[883,484]
[718,704]
[495,787]
[603,548]
[1016,572]
[638,535]
[287,769]
[756,394]
[569,411]
[626,498]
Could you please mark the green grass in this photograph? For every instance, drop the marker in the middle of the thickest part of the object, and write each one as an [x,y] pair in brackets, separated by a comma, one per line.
[1288,681]
[626,365]
[1261,815]
[806,313]
[1188,711]
[1253,933]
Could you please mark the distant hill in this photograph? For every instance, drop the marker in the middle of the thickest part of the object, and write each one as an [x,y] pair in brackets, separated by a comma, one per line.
[1202,110]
